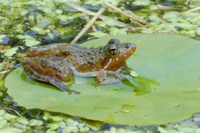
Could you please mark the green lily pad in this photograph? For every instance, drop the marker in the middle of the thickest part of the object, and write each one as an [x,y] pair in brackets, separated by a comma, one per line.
[167,87]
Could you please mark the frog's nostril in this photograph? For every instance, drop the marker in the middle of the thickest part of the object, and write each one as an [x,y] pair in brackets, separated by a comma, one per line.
[127,45]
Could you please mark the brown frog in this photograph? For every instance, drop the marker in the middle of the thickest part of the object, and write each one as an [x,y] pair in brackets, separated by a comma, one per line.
[56,63]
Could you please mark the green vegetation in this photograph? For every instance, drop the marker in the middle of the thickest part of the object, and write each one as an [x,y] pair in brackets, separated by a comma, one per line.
[26,24]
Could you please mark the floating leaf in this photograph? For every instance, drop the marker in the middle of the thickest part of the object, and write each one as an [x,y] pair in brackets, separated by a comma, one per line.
[149,30]
[56,118]
[170,15]
[3,123]
[185,25]
[2,112]
[2,36]
[31,42]
[44,22]
[3,39]
[58,11]
[9,116]
[98,34]
[10,52]
[53,126]
[142,2]
[109,22]
[70,130]
[153,7]
[94,3]
[63,17]
[198,31]
[166,90]
[22,120]
[154,17]
[34,122]
[115,31]
[24,12]
[40,30]
[11,130]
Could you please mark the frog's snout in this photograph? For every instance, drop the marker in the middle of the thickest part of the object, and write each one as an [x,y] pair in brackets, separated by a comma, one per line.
[130,47]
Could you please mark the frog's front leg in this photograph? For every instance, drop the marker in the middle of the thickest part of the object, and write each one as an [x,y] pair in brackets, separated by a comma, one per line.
[104,78]
[50,70]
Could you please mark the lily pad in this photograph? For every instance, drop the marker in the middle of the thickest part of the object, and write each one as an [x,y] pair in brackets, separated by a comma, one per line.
[166,90]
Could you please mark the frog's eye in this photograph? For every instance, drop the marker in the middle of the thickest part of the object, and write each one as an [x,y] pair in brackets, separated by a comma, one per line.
[113,49]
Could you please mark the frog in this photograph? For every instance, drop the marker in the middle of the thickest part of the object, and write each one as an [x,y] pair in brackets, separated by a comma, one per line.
[56,63]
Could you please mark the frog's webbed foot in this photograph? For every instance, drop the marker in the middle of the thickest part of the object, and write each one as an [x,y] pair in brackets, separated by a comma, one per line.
[103,78]
[59,84]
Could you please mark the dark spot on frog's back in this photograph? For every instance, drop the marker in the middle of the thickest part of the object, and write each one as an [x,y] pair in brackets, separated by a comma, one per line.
[44,63]
[88,53]
[65,53]
[92,58]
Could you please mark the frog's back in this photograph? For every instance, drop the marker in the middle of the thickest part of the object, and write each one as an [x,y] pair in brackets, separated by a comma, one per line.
[57,49]
[89,60]
[79,58]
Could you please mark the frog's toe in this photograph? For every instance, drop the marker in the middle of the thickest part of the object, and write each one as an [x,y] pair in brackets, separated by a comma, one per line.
[59,84]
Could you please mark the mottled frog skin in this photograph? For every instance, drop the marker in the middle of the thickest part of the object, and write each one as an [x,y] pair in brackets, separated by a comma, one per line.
[56,63]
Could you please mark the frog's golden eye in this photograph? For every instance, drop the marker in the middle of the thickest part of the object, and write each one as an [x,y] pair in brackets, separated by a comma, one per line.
[113,49]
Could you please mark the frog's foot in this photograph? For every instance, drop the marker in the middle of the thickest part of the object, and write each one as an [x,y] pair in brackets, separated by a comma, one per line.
[104,79]
[52,80]
[59,84]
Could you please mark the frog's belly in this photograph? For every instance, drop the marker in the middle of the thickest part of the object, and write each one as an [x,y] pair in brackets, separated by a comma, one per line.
[84,74]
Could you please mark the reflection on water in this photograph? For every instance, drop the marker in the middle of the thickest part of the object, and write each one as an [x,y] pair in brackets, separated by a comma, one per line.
[141,85]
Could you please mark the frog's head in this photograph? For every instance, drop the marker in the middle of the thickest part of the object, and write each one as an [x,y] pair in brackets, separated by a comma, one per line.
[117,54]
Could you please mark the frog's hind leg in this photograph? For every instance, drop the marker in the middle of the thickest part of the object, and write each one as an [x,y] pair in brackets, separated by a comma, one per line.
[59,84]
[34,67]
